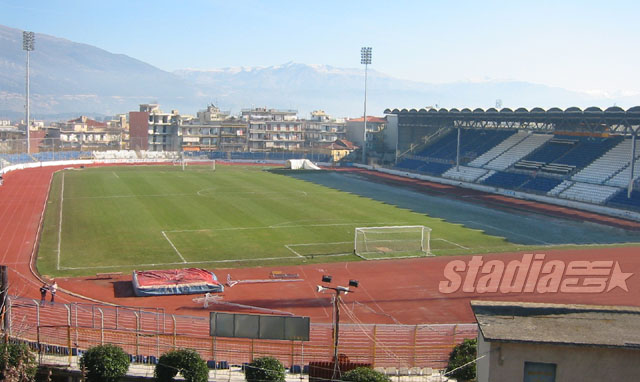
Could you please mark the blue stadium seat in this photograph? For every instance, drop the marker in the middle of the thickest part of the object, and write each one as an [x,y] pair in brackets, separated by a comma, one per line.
[473,143]
[506,180]
[541,184]
[620,200]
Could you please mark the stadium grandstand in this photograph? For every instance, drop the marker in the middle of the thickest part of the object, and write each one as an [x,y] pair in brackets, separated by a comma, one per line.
[587,156]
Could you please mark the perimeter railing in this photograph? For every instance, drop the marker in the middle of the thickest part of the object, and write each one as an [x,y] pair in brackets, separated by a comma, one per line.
[67,330]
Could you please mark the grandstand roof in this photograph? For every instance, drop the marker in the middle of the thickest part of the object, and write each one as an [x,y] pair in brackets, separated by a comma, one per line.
[592,119]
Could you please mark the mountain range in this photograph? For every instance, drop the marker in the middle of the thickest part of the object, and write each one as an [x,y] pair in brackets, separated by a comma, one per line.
[69,78]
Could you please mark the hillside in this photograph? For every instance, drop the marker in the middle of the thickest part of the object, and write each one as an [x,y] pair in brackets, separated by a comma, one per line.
[68,77]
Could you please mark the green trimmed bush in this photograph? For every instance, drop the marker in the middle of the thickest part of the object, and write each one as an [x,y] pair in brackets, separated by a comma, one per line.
[463,353]
[187,362]
[105,363]
[364,374]
[264,369]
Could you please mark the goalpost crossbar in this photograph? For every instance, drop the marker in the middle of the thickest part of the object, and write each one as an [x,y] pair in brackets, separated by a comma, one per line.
[392,241]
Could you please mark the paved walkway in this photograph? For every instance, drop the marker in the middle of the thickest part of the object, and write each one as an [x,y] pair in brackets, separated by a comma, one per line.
[235,373]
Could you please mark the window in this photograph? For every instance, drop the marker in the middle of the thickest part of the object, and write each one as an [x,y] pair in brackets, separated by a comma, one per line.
[539,372]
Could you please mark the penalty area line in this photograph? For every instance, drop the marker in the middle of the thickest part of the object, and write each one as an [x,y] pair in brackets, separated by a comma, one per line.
[184,261]
[451,242]
[288,246]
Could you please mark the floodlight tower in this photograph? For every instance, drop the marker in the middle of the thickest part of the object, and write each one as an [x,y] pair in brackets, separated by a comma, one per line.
[336,317]
[365,59]
[28,40]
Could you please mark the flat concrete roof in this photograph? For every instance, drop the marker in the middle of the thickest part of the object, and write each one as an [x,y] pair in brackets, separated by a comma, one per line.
[588,325]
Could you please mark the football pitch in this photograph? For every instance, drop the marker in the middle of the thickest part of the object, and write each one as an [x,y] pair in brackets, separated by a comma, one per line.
[110,219]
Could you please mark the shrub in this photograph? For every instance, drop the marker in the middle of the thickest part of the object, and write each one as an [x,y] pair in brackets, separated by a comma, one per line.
[364,374]
[461,354]
[17,363]
[187,362]
[105,363]
[264,369]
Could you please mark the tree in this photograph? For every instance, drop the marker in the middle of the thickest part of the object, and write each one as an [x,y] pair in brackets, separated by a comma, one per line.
[264,369]
[364,374]
[187,362]
[105,363]
[463,353]
[17,363]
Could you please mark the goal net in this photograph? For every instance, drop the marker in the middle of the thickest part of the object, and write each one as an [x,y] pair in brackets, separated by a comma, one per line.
[392,242]
[195,164]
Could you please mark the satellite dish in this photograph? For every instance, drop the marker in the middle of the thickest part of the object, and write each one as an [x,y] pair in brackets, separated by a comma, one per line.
[320,288]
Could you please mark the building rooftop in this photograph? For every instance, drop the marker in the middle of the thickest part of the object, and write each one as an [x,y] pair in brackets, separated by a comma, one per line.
[342,144]
[589,325]
[369,119]
[88,121]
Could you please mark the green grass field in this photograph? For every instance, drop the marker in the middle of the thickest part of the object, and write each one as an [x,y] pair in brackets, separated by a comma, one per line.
[123,218]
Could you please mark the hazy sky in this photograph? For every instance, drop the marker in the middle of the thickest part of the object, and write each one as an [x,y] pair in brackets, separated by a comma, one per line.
[579,45]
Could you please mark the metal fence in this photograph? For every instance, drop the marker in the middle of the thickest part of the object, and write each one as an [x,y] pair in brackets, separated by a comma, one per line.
[69,329]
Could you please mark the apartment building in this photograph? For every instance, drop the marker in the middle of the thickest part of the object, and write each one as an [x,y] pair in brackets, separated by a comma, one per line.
[213,130]
[153,130]
[272,129]
[84,133]
[321,129]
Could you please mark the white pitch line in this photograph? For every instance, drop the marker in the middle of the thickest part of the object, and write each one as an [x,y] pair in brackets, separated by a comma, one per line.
[267,227]
[192,262]
[451,242]
[174,247]
[60,223]
[114,174]
[129,196]
[296,253]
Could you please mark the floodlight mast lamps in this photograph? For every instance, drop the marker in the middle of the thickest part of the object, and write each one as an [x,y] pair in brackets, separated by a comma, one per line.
[336,315]
[365,59]
[28,42]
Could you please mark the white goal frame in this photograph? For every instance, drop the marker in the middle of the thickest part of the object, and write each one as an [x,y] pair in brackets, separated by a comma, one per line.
[184,162]
[415,247]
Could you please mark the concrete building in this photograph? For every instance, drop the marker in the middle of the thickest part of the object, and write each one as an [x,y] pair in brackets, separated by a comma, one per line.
[272,129]
[321,129]
[151,129]
[340,149]
[213,130]
[556,343]
[381,143]
[84,133]
[12,140]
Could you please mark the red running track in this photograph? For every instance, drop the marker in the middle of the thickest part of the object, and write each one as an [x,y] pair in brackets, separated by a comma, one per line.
[399,291]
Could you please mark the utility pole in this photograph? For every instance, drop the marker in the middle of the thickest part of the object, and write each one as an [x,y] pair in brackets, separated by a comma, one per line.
[336,321]
[28,40]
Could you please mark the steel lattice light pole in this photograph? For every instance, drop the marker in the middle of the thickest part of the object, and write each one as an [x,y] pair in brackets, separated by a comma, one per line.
[365,59]
[28,42]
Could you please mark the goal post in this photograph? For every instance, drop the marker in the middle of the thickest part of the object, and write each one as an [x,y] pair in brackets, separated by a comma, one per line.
[392,242]
[196,164]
